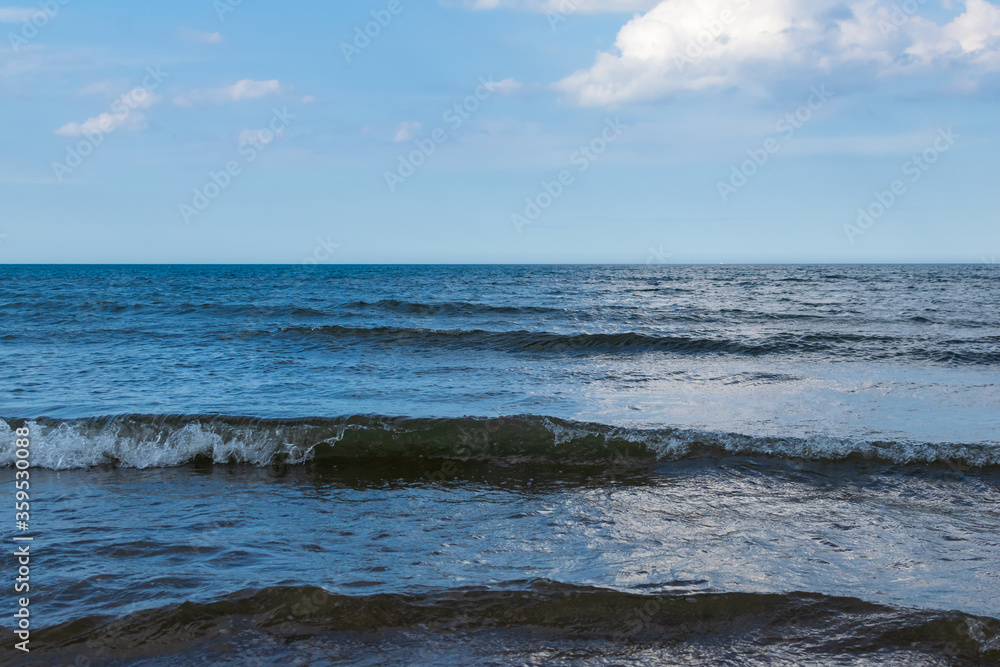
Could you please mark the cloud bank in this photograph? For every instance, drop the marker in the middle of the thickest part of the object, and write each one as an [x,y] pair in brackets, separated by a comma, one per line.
[716,44]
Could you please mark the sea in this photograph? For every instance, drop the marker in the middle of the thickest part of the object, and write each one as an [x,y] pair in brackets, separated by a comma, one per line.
[503,465]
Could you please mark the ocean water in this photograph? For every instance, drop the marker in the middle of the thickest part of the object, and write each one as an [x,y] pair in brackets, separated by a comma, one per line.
[507,465]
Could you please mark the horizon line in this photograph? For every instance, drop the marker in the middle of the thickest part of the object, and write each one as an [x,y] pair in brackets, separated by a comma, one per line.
[332,264]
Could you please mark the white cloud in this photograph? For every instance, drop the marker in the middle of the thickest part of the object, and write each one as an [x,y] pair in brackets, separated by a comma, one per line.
[975,33]
[698,44]
[503,86]
[246,89]
[17,14]
[190,35]
[123,114]
[406,131]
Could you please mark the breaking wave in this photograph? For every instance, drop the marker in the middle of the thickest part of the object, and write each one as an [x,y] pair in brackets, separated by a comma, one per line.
[155,441]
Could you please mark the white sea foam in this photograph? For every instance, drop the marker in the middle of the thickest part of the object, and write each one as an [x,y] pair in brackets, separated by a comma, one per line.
[158,442]
[78,445]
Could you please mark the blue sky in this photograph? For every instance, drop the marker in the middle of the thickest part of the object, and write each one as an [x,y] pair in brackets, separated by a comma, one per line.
[499,131]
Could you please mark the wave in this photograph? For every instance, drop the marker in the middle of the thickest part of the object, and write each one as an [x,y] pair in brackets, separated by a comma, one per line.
[852,345]
[72,308]
[155,441]
[449,308]
[544,611]
[520,341]
[541,341]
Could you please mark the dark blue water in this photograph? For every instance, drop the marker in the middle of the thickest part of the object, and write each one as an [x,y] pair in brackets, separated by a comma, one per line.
[509,465]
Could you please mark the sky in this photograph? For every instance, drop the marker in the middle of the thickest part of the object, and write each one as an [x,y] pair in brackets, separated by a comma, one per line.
[499,131]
